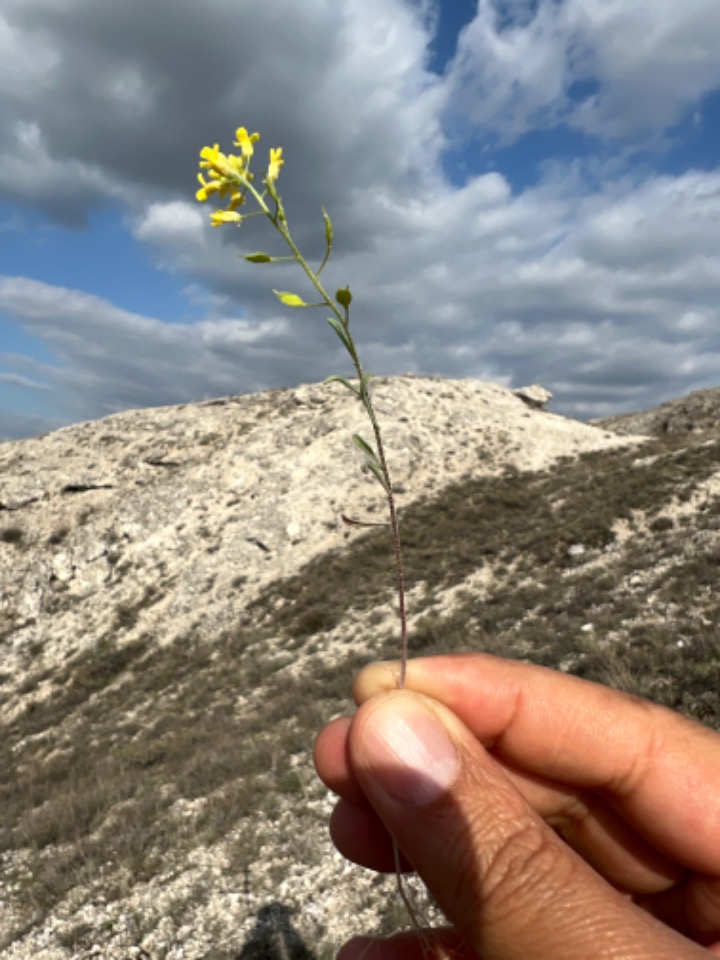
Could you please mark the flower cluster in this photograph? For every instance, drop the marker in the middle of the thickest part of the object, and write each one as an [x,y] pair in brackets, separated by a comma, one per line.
[229,175]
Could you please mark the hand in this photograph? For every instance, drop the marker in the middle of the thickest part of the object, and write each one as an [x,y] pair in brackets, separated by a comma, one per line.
[550,817]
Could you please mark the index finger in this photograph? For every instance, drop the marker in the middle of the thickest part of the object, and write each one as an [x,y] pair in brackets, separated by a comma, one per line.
[660,770]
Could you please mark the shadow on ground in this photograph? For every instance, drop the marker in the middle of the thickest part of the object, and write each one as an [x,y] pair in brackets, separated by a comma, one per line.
[274,938]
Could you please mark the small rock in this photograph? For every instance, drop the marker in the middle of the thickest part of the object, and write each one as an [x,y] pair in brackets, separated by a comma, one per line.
[294,531]
[534,395]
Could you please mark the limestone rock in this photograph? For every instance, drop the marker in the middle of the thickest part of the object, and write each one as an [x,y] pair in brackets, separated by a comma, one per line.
[534,396]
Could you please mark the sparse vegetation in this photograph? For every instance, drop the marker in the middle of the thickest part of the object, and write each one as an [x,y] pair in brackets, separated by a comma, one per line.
[58,535]
[139,755]
[12,535]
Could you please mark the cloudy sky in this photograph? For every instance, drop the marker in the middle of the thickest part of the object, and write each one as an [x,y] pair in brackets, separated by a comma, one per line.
[522,191]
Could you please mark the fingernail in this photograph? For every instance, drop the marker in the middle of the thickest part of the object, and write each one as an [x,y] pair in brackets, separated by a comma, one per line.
[410,755]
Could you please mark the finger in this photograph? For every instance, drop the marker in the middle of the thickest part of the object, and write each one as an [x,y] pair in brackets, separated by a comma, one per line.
[693,908]
[438,944]
[597,832]
[657,768]
[503,878]
[590,826]
[360,835]
[332,762]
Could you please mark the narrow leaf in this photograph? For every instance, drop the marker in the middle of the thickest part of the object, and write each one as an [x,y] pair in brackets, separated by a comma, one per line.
[346,383]
[375,467]
[365,394]
[351,522]
[365,447]
[328,240]
[364,388]
[341,332]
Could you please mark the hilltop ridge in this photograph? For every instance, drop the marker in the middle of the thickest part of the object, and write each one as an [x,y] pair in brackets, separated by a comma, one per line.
[698,412]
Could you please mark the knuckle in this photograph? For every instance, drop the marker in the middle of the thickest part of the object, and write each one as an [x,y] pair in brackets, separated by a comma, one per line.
[524,869]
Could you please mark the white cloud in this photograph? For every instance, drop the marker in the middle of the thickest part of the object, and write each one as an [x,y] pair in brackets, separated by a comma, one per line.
[538,289]
[608,294]
[664,218]
[505,80]
[16,380]
[107,359]
[25,63]
[65,189]
[128,101]
[647,64]
[176,230]
[653,62]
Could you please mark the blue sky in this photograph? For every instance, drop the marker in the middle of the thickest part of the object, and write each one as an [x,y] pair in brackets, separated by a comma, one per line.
[522,190]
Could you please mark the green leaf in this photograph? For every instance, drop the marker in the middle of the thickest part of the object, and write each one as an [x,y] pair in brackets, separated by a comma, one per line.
[344,297]
[328,240]
[365,447]
[375,467]
[364,386]
[290,299]
[364,393]
[372,462]
[346,383]
[341,332]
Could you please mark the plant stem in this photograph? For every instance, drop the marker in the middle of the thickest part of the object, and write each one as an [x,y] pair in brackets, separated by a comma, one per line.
[279,221]
[397,546]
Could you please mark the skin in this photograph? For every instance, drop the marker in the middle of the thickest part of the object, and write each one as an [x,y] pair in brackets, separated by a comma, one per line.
[552,818]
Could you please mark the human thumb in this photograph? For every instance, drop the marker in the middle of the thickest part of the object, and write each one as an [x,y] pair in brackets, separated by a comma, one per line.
[503,878]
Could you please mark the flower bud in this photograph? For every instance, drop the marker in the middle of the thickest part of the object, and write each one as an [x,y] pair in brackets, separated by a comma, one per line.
[344,297]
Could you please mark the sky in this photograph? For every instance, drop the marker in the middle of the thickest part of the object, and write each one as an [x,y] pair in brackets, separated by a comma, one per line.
[522,191]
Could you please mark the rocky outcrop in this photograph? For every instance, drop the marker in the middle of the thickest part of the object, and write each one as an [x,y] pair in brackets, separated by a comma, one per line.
[534,395]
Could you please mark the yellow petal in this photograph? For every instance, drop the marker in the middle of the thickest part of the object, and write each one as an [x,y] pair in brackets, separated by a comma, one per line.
[276,161]
[221,217]
[236,201]
[208,155]
[245,141]
[207,189]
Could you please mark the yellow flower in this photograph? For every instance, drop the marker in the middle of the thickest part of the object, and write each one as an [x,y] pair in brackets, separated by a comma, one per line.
[221,217]
[276,161]
[216,162]
[245,141]
[236,200]
[228,176]
[207,188]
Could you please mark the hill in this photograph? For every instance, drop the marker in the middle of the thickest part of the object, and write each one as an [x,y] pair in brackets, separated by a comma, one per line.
[181,610]
[697,413]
